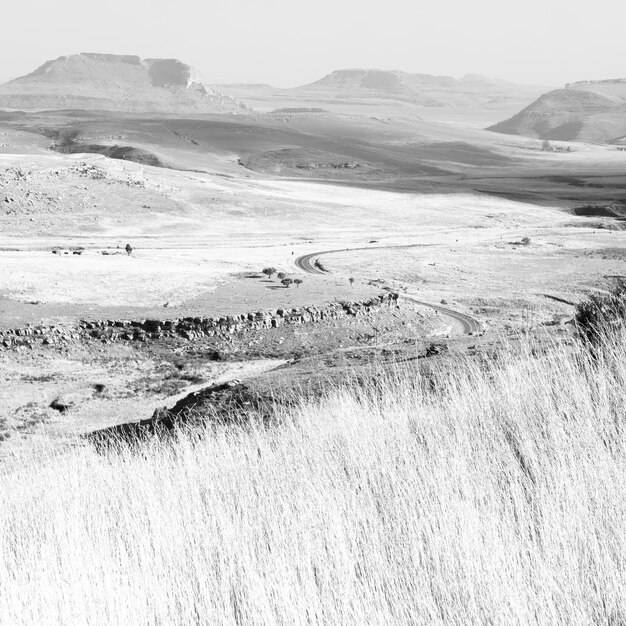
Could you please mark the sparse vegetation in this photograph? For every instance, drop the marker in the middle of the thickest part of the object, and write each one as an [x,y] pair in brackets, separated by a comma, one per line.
[281,276]
[601,311]
[319,265]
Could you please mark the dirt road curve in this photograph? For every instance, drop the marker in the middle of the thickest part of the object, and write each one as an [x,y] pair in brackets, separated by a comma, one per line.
[308,262]
[465,324]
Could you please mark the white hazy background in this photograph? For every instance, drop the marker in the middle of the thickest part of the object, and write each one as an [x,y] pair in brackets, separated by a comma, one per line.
[287,43]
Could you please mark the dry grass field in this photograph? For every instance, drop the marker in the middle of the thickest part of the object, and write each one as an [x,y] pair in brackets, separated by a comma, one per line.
[491,493]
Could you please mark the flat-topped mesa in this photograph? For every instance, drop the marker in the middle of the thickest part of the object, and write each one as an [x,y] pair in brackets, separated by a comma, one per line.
[131,59]
[418,88]
[362,79]
[111,82]
[590,83]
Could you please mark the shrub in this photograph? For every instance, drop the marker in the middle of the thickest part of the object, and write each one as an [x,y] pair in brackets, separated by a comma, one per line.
[600,312]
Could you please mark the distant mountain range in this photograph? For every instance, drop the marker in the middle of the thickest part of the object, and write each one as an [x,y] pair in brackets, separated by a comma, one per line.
[108,82]
[472,100]
[114,83]
[593,111]
[423,89]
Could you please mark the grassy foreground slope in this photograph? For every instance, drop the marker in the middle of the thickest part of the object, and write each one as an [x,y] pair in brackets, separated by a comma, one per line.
[492,494]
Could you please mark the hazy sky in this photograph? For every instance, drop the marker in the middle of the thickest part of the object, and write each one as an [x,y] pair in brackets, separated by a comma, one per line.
[291,42]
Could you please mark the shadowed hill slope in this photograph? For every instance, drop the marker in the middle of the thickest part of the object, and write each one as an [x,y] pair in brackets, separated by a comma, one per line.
[311,145]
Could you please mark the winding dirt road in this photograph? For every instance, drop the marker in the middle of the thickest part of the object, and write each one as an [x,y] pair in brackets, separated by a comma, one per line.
[464,324]
[309,262]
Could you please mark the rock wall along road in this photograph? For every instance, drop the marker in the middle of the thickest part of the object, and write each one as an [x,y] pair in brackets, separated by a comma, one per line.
[189,328]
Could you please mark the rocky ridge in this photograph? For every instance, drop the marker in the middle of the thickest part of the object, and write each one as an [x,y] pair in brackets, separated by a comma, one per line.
[188,328]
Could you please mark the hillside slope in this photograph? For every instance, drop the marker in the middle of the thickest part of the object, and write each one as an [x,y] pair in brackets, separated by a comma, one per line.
[114,83]
[592,111]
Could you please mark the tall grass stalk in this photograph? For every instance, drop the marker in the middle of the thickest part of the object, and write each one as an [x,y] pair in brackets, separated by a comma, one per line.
[495,494]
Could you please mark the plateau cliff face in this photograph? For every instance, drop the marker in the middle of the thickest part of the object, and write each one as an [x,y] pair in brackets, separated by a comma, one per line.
[114,83]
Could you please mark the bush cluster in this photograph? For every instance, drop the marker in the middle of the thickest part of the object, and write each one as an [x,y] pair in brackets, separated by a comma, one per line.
[601,312]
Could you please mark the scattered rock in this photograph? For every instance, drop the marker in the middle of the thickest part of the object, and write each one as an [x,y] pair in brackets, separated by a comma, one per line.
[60,405]
[436,348]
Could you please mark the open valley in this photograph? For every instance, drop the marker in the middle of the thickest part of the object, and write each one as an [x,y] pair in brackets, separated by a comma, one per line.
[340,323]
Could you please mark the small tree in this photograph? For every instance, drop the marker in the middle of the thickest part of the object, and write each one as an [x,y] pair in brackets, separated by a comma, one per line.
[297,282]
[287,282]
[269,271]
[351,281]
[129,249]
[281,275]
[545,146]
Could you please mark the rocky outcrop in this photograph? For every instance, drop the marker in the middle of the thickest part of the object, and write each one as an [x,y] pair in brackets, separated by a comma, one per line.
[227,403]
[189,328]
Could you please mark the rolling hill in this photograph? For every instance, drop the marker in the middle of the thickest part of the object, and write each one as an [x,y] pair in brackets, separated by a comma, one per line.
[110,82]
[593,111]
